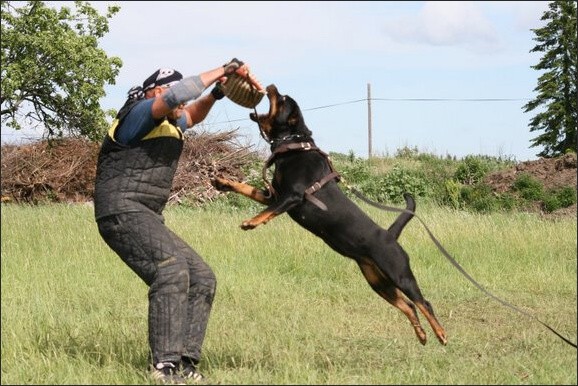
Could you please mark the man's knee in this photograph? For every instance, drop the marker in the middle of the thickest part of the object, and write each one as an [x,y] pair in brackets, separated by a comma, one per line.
[172,276]
[205,283]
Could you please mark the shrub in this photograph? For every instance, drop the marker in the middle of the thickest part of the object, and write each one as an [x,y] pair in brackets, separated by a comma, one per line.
[479,197]
[528,187]
[561,198]
[392,186]
[471,170]
[452,193]
[353,170]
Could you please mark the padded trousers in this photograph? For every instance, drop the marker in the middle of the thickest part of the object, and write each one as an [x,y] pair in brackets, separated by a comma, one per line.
[181,285]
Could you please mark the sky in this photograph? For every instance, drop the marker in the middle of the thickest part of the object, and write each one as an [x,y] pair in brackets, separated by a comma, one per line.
[444,77]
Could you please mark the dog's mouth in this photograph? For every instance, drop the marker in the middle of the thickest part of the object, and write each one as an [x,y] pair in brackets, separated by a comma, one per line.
[265,120]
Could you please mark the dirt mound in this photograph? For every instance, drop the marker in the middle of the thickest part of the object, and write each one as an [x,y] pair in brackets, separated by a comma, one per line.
[64,171]
[553,173]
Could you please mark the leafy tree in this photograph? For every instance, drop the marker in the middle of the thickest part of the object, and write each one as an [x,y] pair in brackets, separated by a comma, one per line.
[53,72]
[557,85]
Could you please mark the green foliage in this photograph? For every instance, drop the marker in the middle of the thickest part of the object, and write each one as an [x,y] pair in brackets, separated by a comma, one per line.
[444,180]
[458,184]
[399,181]
[471,170]
[53,72]
[560,198]
[407,152]
[532,190]
[388,186]
[479,197]
[452,193]
[353,170]
[557,86]
[528,187]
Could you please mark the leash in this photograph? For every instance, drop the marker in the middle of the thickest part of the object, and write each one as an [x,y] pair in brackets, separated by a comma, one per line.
[456,264]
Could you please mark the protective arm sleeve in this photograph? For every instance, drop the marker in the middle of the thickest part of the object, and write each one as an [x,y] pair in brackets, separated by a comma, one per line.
[187,89]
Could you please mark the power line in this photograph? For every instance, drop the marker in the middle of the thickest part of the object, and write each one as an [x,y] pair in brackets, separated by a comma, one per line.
[422,100]
[400,100]
[453,99]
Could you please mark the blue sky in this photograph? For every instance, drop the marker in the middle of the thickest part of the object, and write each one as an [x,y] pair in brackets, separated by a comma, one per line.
[445,77]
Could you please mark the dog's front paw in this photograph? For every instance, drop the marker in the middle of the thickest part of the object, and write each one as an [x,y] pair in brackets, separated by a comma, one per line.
[247,225]
[221,184]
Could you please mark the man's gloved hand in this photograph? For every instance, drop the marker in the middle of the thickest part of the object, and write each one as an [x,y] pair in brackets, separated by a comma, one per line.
[232,66]
[217,91]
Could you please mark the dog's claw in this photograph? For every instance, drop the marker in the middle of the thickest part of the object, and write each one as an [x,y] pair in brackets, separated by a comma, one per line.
[421,335]
[443,339]
[247,226]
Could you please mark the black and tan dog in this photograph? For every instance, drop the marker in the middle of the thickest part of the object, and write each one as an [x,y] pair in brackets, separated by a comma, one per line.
[304,185]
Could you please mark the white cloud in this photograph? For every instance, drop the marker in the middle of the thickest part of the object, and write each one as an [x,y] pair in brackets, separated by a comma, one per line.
[446,23]
[523,15]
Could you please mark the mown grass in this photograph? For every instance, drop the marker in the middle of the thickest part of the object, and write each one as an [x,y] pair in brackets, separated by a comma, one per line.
[288,309]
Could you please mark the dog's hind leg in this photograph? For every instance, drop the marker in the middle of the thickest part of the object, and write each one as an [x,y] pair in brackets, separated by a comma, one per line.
[426,309]
[385,288]
[397,269]
[408,286]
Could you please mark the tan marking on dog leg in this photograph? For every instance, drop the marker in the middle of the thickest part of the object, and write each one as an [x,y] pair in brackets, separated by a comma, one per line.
[435,325]
[262,218]
[243,189]
[378,283]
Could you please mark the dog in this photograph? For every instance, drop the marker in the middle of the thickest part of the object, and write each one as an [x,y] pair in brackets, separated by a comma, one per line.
[304,184]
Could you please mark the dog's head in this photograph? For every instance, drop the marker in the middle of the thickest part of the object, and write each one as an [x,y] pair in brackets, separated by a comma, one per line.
[284,119]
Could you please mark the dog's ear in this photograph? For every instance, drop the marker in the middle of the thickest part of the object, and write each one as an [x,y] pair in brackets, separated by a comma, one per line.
[294,117]
[293,120]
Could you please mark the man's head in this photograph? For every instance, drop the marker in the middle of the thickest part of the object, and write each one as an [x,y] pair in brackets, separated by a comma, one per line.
[159,82]
[163,77]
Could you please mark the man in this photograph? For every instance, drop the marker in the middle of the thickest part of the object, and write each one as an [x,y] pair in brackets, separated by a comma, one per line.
[135,170]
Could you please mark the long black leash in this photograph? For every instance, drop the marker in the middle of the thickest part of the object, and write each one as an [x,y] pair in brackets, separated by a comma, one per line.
[455,263]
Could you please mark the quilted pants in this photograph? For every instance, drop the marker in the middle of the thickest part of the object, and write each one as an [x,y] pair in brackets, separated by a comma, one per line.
[181,285]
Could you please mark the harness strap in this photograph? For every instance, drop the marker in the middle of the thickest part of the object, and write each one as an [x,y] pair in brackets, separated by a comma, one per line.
[318,185]
[301,146]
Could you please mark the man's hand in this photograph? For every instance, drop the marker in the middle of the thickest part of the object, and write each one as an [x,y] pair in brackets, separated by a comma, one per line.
[232,66]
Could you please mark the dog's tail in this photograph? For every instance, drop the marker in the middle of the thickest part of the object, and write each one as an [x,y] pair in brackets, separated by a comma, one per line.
[402,220]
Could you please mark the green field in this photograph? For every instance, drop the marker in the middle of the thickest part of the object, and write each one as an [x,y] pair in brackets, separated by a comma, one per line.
[288,309]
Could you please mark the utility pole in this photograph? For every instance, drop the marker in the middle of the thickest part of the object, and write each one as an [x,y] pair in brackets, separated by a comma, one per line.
[369,121]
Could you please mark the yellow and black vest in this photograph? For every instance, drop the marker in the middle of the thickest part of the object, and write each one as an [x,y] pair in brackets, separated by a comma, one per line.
[137,177]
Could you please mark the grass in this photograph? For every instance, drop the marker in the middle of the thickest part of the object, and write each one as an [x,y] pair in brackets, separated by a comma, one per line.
[288,309]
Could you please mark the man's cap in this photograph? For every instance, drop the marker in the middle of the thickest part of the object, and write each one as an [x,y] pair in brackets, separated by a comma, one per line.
[161,77]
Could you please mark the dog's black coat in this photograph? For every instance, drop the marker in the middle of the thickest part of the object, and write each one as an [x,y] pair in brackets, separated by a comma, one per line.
[302,170]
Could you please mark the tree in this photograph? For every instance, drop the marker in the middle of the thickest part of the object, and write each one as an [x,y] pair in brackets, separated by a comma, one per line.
[53,72]
[557,85]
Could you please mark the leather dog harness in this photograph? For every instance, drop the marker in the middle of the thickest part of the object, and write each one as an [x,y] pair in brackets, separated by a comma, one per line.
[301,146]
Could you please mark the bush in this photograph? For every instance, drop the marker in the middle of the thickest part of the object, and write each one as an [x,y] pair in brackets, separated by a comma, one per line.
[528,187]
[353,170]
[561,198]
[471,170]
[390,188]
[479,197]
